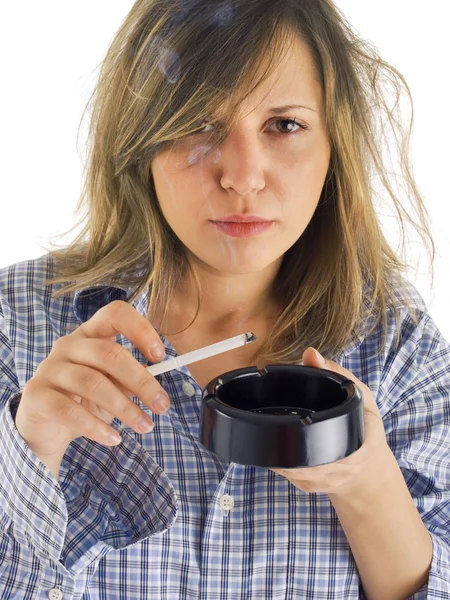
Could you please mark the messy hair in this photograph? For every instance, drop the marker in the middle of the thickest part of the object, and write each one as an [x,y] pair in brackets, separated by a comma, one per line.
[170,66]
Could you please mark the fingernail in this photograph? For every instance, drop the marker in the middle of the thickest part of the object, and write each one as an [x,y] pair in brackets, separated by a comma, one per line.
[145,424]
[161,403]
[320,358]
[158,351]
[113,438]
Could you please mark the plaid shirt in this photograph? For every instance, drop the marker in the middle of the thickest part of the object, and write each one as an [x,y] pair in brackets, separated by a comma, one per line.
[143,520]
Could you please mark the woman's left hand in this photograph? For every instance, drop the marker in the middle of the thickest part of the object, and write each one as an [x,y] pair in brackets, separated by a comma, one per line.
[363,467]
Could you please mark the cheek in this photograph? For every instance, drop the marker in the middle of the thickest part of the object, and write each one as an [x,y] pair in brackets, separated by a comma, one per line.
[305,176]
[163,183]
[183,200]
[189,197]
[172,186]
[300,187]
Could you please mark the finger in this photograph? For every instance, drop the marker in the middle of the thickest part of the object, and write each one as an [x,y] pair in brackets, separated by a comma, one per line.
[120,317]
[113,359]
[97,388]
[73,417]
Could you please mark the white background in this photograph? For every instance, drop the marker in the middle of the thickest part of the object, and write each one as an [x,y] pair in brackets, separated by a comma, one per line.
[50,51]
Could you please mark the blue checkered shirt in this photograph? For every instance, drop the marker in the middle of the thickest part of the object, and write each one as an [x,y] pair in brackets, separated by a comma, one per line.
[143,520]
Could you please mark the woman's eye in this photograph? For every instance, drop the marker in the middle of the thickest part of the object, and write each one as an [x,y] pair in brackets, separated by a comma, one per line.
[207,127]
[203,125]
[290,126]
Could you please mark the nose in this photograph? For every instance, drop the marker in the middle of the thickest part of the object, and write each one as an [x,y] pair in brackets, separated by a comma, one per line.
[241,162]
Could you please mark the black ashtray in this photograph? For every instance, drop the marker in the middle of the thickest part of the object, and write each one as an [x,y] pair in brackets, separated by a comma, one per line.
[282,416]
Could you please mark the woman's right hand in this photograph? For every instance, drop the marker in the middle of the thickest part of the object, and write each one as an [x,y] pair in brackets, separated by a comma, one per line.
[86,381]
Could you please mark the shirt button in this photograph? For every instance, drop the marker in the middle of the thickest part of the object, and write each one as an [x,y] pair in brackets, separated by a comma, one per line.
[188,388]
[55,594]
[226,503]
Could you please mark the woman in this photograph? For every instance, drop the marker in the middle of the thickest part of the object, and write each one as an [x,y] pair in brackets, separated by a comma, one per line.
[208,114]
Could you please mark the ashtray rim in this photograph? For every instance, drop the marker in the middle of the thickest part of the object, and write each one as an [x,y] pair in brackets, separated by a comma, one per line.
[210,395]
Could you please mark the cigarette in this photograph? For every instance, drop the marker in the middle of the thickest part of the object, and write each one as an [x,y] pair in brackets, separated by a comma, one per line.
[201,353]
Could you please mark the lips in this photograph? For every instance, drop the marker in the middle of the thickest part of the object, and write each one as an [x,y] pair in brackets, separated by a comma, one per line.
[241,230]
[242,219]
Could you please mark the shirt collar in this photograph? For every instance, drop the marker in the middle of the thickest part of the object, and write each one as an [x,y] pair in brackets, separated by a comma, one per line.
[87,301]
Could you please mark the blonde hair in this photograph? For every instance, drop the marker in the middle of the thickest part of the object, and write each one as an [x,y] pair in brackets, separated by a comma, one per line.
[170,65]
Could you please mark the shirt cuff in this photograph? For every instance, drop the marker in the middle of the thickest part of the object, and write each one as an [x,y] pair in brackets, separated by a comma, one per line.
[438,585]
[116,496]
[106,497]
[29,494]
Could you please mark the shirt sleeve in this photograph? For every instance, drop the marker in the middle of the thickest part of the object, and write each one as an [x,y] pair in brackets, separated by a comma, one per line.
[54,533]
[416,387]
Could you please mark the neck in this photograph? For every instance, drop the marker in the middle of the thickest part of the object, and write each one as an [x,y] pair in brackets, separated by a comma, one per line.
[229,303]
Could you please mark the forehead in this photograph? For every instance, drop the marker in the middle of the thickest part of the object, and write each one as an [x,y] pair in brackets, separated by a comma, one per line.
[291,80]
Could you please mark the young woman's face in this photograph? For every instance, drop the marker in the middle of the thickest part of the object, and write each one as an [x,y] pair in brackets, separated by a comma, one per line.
[267,166]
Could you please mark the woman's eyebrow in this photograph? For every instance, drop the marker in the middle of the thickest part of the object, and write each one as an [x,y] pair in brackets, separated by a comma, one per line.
[278,110]
[281,109]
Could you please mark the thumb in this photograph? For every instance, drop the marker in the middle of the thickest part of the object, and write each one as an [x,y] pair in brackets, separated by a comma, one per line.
[312,358]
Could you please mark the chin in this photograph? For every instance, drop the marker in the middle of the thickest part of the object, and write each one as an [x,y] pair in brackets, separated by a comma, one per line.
[235,261]
[242,266]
